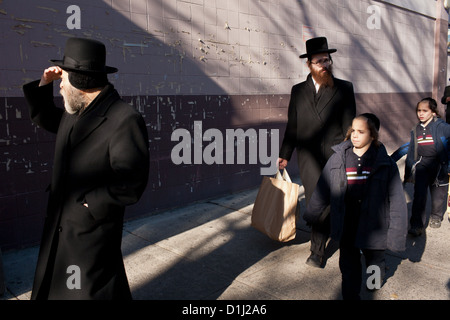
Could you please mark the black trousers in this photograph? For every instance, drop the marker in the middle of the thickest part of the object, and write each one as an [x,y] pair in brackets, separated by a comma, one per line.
[425,178]
[310,166]
[351,268]
[320,233]
[350,255]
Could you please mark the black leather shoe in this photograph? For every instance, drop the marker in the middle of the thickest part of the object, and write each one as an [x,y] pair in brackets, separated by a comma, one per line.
[415,232]
[314,260]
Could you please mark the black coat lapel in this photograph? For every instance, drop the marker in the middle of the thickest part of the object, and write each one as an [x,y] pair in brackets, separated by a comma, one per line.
[62,149]
[309,96]
[326,96]
[93,116]
[83,128]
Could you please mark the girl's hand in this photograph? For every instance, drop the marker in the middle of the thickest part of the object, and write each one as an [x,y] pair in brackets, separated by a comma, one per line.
[50,74]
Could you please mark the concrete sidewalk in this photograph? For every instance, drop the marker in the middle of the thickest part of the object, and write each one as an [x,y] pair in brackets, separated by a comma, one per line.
[209,251]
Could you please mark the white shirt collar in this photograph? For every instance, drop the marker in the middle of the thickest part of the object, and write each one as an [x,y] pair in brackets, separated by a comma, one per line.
[316,85]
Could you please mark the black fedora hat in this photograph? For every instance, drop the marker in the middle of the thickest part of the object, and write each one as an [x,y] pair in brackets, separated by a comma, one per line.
[84,55]
[316,45]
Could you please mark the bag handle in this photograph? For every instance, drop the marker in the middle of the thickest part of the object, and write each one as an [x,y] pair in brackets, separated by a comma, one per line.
[285,176]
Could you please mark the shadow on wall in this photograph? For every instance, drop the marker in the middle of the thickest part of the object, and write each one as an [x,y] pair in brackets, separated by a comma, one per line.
[161,73]
[389,76]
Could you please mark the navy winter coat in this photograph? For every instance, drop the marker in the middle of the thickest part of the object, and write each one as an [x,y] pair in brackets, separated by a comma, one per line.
[383,222]
[440,131]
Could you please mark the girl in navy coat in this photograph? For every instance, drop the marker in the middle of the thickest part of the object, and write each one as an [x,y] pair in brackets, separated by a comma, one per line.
[368,208]
[427,165]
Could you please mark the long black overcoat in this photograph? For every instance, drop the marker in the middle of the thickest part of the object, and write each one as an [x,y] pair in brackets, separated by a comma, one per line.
[313,128]
[102,160]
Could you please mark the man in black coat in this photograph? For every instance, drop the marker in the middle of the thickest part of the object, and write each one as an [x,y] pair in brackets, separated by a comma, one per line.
[321,109]
[446,100]
[101,165]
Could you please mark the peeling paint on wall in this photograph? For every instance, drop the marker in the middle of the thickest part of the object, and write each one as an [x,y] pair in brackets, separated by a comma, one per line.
[181,62]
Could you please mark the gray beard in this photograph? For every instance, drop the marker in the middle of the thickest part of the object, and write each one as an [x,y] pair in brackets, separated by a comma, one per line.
[74,101]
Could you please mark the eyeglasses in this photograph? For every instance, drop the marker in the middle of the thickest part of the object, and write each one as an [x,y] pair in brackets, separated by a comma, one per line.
[322,62]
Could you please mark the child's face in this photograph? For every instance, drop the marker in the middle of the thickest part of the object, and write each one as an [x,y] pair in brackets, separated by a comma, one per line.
[360,136]
[424,112]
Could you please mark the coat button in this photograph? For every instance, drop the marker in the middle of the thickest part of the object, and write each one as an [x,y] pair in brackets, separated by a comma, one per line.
[60,229]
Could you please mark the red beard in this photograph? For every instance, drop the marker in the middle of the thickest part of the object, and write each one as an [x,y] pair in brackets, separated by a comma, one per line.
[324,77]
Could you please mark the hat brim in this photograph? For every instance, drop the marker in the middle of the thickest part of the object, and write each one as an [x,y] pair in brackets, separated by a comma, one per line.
[305,55]
[106,69]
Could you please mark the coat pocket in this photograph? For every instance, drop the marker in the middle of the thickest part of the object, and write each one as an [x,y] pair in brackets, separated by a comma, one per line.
[102,206]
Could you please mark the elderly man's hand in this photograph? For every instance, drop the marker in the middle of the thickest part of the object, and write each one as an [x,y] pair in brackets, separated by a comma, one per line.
[50,74]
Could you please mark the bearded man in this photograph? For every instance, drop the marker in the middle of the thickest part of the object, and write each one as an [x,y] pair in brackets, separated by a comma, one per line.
[321,109]
[100,166]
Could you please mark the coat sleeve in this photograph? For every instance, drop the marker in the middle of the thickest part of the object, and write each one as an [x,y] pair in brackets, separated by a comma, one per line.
[42,108]
[290,136]
[349,112]
[398,212]
[446,142]
[400,152]
[129,160]
[410,158]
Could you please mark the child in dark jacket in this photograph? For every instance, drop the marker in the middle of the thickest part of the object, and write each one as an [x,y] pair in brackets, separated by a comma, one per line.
[368,209]
[427,165]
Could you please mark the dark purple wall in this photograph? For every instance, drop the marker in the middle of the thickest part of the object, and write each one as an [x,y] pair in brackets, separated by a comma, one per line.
[26,152]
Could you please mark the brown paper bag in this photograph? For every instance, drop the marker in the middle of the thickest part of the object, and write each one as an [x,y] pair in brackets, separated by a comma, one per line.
[275,207]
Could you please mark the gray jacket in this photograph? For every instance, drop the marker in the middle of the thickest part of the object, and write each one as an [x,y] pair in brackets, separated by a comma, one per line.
[383,221]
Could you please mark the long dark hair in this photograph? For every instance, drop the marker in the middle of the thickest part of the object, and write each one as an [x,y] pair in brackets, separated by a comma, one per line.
[432,104]
[373,123]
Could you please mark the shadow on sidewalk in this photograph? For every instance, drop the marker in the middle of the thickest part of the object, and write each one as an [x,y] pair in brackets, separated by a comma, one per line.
[202,254]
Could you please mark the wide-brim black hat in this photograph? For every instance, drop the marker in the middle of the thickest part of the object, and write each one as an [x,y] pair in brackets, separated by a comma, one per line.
[317,45]
[84,55]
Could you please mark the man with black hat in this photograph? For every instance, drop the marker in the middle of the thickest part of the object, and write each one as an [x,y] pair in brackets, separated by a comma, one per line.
[100,166]
[321,109]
